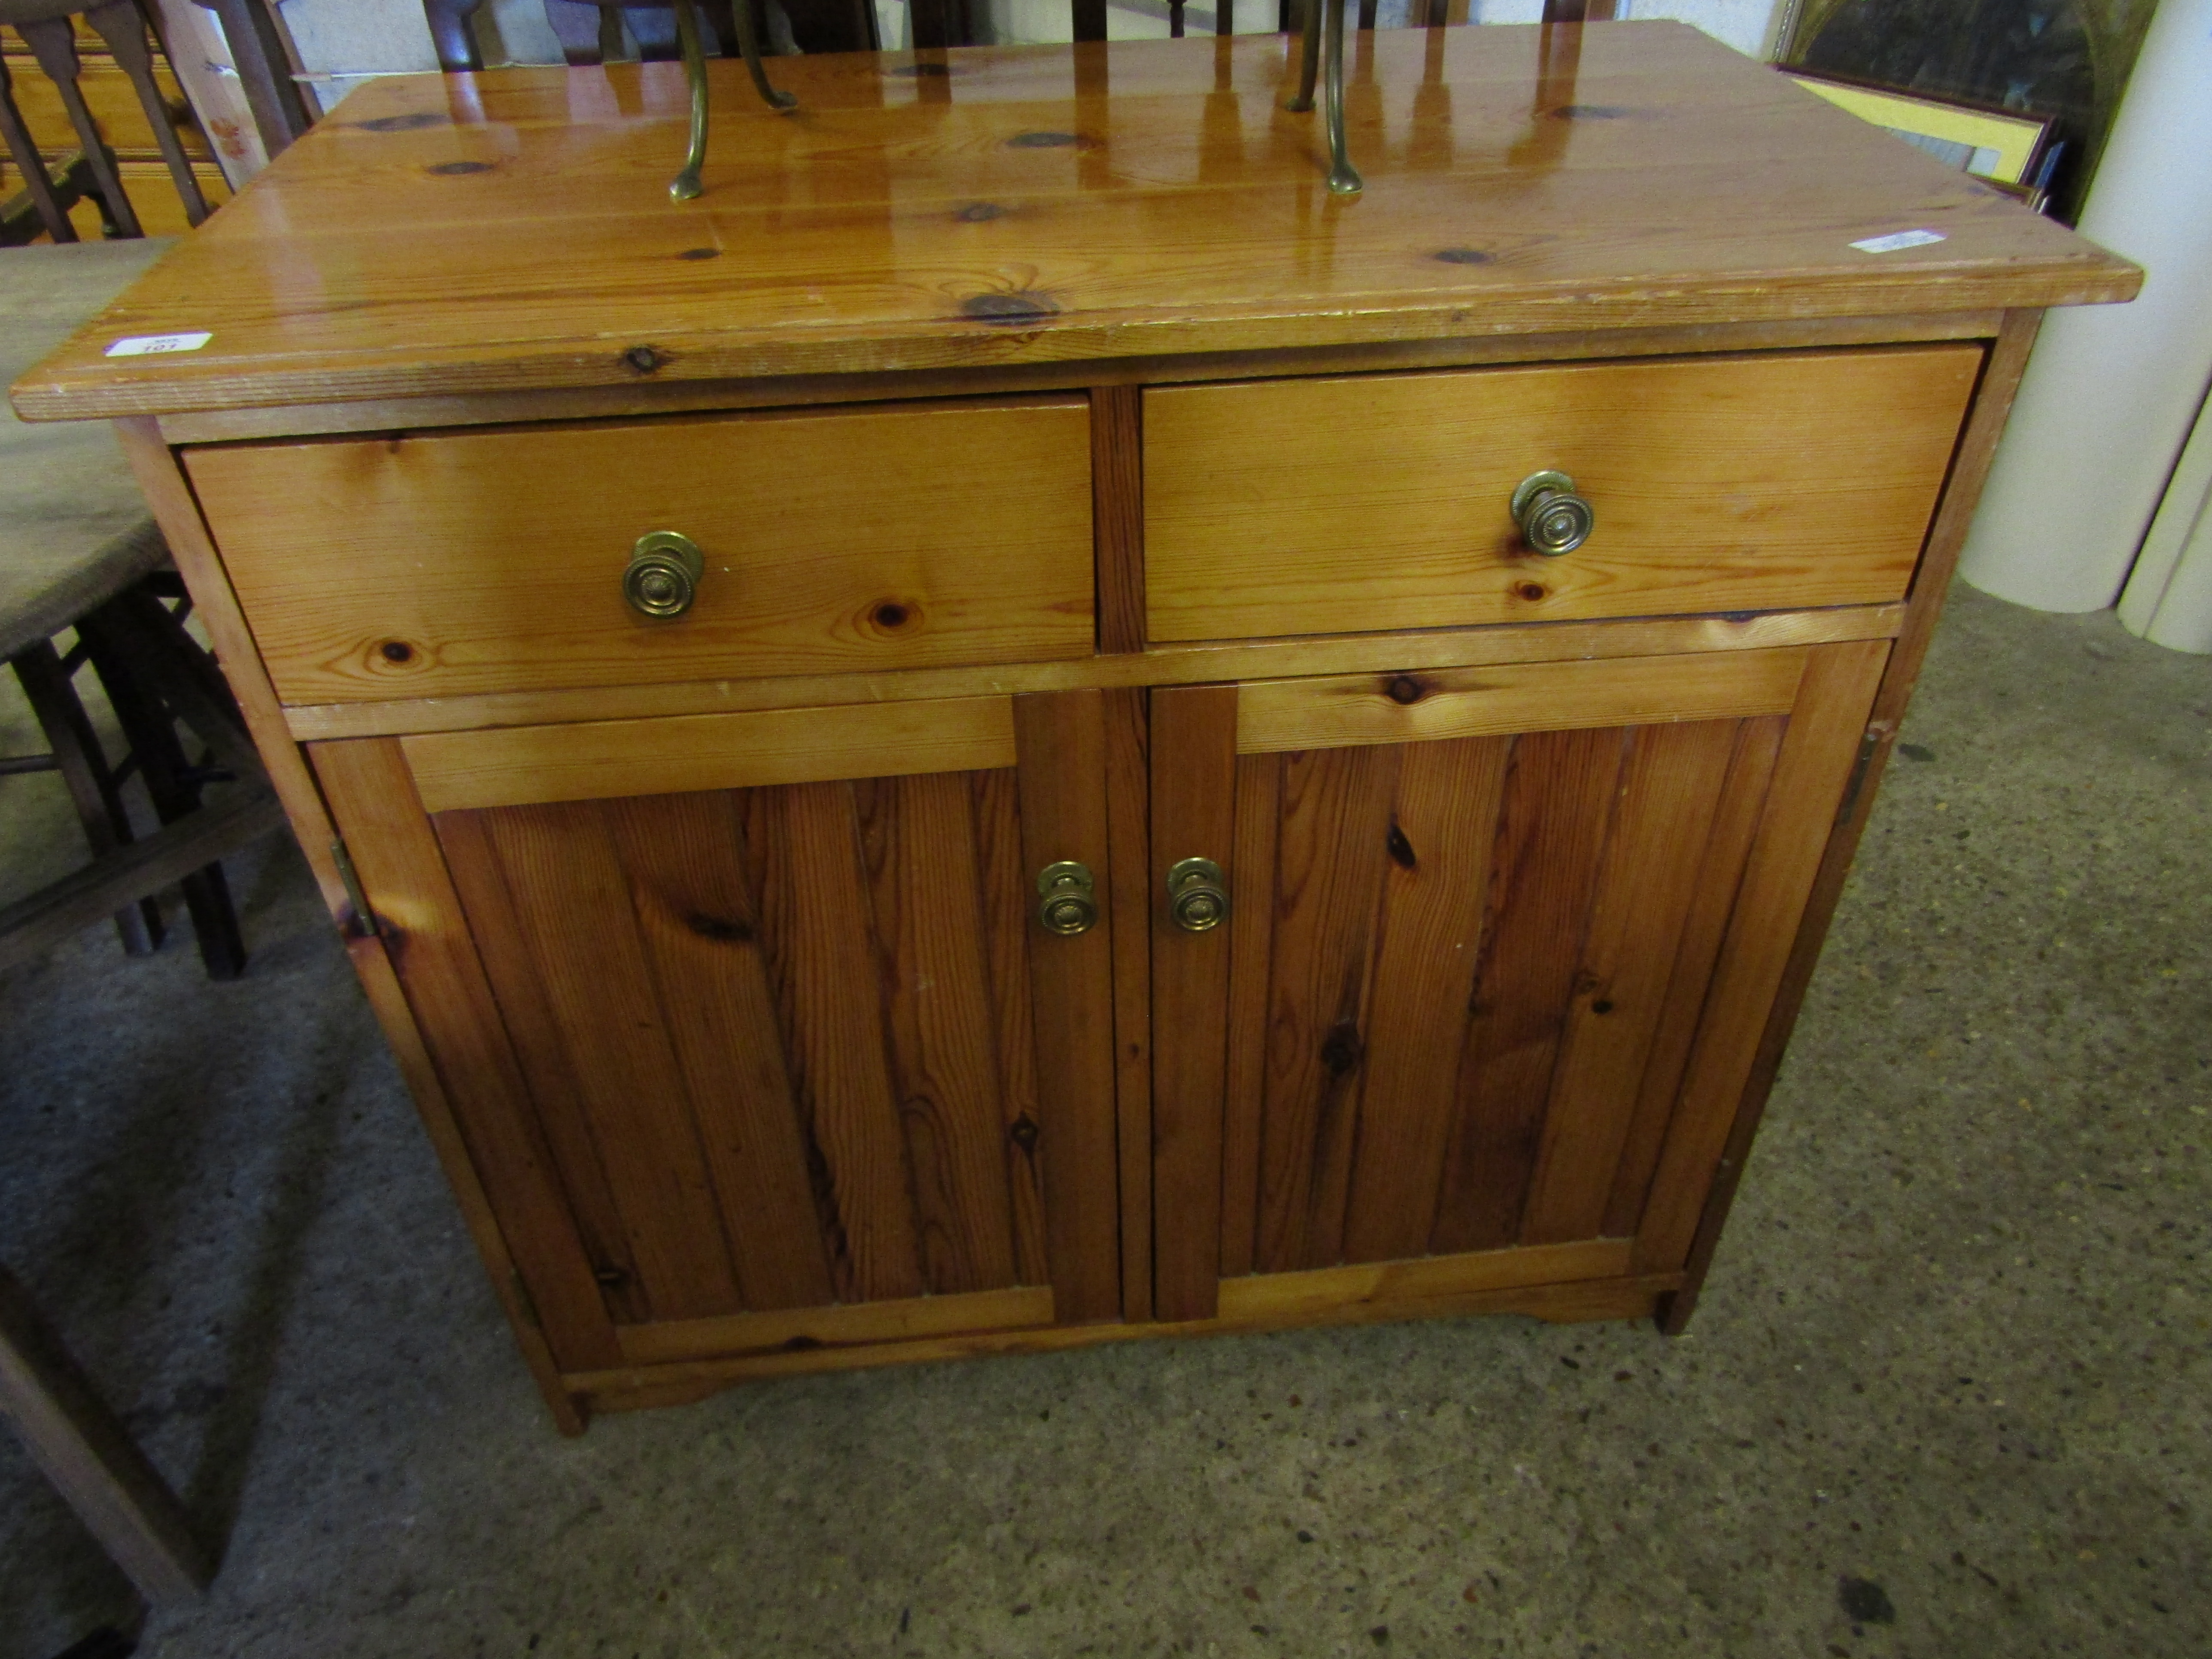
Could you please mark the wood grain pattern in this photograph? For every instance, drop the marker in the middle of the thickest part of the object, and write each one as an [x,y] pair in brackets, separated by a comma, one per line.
[696,922]
[1194,763]
[644,397]
[1251,976]
[1129,832]
[565,884]
[1719,484]
[861,255]
[1670,790]
[802,845]
[602,760]
[1398,707]
[918,854]
[1062,742]
[1816,759]
[450,563]
[1178,665]
[425,935]
[1319,1292]
[817,1328]
[1444,826]
[1008,884]
[1331,848]
[1556,814]
[1742,803]
[634,1388]
[1117,505]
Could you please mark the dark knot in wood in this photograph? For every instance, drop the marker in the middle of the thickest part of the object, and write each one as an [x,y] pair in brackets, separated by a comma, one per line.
[1044,140]
[980,213]
[395,651]
[644,359]
[1405,688]
[1023,1133]
[700,254]
[1401,850]
[1464,256]
[1002,309]
[1531,592]
[412,122]
[720,929]
[458,169]
[1342,1049]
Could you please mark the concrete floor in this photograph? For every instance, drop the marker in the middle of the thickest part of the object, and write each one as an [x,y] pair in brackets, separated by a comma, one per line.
[1946,1395]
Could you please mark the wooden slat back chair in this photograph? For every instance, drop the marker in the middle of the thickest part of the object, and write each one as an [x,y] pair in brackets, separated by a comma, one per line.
[47,29]
[79,554]
[593,33]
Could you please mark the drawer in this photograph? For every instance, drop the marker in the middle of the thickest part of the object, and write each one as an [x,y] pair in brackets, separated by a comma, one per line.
[891,535]
[1364,502]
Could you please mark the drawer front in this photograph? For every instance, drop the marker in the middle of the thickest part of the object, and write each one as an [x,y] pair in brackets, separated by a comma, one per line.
[1383,502]
[896,536]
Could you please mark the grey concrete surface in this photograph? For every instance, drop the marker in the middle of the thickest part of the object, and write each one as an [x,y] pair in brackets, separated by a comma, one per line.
[1946,1395]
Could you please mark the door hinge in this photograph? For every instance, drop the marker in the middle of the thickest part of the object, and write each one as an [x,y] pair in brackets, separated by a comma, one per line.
[1870,746]
[363,924]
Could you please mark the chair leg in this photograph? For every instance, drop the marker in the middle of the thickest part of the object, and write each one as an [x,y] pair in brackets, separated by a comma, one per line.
[96,1467]
[90,781]
[151,731]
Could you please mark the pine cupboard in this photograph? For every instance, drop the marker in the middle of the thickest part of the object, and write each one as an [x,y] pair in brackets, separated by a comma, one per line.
[1016,729]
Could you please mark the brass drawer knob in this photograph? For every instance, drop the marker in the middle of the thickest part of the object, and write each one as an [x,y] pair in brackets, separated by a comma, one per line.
[1197,898]
[1065,898]
[1553,519]
[662,578]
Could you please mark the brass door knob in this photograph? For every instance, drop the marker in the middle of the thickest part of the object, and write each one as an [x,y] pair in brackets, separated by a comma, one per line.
[1197,898]
[662,578]
[1066,903]
[1553,519]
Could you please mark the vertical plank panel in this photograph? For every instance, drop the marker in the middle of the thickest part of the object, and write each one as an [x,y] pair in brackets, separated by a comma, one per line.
[1251,978]
[683,857]
[1743,800]
[1809,775]
[1551,830]
[1330,854]
[917,846]
[1193,768]
[571,897]
[509,962]
[1670,790]
[374,802]
[1444,822]
[1117,514]
[1059,745]
[1128,828]
[1006,902]
[803,853]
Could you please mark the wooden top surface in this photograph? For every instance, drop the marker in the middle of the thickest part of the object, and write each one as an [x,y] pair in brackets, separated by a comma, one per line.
[512,230]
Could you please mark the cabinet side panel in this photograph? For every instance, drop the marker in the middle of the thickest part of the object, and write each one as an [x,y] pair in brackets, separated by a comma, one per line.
[1442,826]
[373,802]
[1060,744]
[1670,791]
[700,932]
[1557,810]
[1816,763]
[1193,770]
[1330,856]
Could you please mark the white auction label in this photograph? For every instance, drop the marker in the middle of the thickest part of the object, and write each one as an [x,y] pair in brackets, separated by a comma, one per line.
[1897,239]
[145,345]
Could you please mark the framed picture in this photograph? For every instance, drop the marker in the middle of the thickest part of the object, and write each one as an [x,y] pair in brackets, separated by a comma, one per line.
[2003,146]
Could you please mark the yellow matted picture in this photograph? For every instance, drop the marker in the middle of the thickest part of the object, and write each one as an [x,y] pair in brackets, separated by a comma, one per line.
[2004,148]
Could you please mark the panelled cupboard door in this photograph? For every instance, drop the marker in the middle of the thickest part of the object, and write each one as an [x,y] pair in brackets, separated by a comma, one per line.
[1501,946]
[778,1059]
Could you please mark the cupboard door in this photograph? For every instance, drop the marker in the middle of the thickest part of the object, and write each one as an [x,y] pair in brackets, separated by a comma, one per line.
[800,1062]
[1501,946]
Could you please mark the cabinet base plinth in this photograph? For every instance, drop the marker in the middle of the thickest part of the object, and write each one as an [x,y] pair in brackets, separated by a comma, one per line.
[638,1387]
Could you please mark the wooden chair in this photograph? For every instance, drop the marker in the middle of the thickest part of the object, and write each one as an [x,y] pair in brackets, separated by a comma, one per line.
[46,27]
[79,554]
[590,32]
